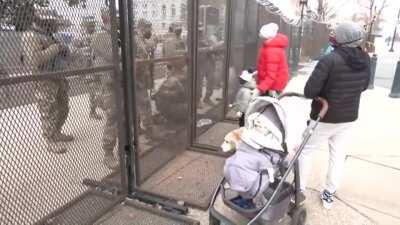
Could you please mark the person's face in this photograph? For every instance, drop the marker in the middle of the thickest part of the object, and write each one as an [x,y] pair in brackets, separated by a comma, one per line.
[147,32]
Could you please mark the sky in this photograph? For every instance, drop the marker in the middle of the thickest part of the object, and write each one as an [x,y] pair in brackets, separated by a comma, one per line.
[390,15]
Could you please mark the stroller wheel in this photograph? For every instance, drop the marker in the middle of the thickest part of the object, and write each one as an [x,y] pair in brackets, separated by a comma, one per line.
[299,216]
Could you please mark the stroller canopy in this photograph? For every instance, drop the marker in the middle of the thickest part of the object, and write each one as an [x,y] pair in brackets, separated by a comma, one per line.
[265,124]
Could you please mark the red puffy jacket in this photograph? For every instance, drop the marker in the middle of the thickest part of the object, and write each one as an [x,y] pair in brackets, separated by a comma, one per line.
[273,72]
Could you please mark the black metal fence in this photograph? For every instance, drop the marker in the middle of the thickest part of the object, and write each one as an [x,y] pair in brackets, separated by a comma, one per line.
[58,127]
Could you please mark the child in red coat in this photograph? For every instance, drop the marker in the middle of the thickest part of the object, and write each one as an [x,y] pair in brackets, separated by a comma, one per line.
[273,72]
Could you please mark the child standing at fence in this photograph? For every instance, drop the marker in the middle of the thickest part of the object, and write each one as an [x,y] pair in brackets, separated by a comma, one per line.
[273,72]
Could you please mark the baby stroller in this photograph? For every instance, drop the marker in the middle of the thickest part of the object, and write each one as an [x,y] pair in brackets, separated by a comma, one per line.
[282,203]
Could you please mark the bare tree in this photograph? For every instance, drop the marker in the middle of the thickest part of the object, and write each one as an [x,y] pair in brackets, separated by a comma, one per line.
[327,9]
[371,15]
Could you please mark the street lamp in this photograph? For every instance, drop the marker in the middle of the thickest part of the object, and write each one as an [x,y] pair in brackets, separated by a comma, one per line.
[395,32]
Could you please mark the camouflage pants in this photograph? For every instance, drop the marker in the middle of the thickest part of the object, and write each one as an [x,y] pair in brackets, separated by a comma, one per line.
[111,125]
[95,95]
[53,104]
[209,75]
[144,108]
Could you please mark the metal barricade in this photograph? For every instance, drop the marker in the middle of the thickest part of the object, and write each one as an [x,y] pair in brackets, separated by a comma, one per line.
[58,123]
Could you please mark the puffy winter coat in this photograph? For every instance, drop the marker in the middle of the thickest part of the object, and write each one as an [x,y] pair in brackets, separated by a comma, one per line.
[340,77]
[273,73]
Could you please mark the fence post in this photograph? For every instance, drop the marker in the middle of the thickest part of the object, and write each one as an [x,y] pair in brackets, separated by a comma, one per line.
[374,61]
[395,92]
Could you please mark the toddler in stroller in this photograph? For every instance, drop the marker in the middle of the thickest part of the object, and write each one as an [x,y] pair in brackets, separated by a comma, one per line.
[257,186]
[259,155]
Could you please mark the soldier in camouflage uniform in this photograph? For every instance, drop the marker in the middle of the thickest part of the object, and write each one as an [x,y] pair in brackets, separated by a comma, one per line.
[173,43]
[145,48]
[173,90]
[103,55]
[205,68]
[44,53]
[93,81]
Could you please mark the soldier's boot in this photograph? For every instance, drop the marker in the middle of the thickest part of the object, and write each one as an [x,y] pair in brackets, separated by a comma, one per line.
[94,115]
[60,137]
[55,147]
[110,160]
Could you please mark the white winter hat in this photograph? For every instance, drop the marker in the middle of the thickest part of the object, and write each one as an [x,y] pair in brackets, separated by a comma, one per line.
[245,75]
[269,31]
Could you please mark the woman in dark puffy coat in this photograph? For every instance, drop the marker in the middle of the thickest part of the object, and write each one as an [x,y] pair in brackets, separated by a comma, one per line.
[340,77]
[273,72]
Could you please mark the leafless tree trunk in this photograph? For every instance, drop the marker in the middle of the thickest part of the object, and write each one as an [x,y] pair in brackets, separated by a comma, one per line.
[328,9]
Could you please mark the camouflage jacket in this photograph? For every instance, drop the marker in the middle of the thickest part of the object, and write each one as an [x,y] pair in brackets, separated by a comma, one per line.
[103,53]
[39,51]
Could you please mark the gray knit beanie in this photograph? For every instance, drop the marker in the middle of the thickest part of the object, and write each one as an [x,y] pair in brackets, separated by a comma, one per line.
[349,34]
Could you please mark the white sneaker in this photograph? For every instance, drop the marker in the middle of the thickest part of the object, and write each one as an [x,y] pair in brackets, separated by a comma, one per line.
[327,199]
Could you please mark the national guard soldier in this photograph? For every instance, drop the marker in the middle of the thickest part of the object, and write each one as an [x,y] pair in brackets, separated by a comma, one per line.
[173,90]
[173,44]
[103,55]
[146,45]
[93,81]
[44,53]
[206,68]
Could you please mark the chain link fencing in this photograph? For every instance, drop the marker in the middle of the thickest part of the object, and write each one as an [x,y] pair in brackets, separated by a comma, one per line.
[58,126]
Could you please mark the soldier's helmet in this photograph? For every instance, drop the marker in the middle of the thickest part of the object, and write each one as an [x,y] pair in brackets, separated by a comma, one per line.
[143,23]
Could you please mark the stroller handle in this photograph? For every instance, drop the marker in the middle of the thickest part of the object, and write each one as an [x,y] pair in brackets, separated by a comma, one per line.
[324,103]
[290,94]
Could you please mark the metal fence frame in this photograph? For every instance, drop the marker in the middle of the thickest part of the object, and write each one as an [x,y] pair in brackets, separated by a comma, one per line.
[124,184]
